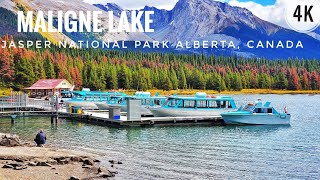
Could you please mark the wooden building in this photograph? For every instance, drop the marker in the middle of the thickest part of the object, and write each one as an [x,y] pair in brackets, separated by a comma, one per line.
[48,87]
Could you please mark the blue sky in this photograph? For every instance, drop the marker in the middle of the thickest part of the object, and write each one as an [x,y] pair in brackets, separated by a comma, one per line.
[262,2]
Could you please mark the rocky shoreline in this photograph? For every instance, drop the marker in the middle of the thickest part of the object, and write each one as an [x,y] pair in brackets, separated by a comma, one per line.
[24,161]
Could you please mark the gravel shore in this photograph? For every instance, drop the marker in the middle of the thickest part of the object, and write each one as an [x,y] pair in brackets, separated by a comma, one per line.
[28,162]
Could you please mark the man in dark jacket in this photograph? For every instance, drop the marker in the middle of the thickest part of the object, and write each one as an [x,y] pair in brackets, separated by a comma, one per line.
[40,138]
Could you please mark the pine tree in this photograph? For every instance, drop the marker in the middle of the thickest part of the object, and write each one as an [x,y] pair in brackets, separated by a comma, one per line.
[124,77]
[174,79]
[182,79]
[49,68]
[25,75]
[282,82]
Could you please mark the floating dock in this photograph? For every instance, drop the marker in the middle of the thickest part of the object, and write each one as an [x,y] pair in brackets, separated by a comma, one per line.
[104,120]
[26,107]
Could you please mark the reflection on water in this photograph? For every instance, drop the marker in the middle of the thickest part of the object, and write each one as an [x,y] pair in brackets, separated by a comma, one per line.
[257,130]
[223,152]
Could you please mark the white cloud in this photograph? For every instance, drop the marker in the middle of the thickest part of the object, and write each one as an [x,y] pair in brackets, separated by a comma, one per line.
[272,13]
[137,4]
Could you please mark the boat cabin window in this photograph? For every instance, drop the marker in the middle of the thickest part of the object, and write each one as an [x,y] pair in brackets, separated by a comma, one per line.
[116,100]
[145,101]
[202,104]
[229,104]
[226,104]
[156,102]
[219,104]
[212,104]
[173,102]
[189,103]
[262,110]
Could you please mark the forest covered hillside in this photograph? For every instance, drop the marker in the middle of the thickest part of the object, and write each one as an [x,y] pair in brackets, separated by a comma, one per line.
[100,69]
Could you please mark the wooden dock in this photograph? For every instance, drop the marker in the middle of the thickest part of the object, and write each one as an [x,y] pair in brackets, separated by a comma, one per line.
[26,107]
[103,120]
[9,114]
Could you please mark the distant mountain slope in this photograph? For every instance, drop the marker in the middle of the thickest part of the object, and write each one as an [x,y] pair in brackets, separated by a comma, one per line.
[210,20]
[110,7]
[192,20]
[74,5]
[79,5]
[8,25]
[189,20]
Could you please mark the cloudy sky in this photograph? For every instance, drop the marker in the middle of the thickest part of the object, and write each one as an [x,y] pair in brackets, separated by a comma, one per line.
[269,10]
[138,4]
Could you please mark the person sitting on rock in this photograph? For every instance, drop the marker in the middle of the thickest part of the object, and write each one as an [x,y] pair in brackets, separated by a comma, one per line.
[40,138]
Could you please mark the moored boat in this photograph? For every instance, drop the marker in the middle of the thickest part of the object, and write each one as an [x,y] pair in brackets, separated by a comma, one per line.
[89,99]
[114,99]
[256,114]
[199,105]
[146,101]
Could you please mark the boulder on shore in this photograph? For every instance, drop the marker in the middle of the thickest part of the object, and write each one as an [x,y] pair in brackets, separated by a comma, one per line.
[104,172]
[9,140]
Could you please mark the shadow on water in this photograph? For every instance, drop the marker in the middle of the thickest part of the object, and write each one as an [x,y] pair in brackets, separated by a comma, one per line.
[260,129]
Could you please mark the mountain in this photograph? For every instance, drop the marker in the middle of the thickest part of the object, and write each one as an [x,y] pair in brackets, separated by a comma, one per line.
[189,20]
[210,20]
[8,25]
[110,7]
[160,18]
[73,5]
[192,20]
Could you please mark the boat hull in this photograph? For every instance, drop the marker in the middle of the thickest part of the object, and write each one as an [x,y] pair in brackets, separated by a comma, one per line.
[102,106]
[171,112]
[123,108]
[83,104]
[257,119]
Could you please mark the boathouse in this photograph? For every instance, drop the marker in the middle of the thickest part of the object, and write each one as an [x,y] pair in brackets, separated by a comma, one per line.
[48,87]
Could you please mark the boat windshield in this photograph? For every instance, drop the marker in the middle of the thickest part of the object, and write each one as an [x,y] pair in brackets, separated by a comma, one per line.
[198,103]
[171,102]
[262,110]
[157,101]
[246,108]
[115,100]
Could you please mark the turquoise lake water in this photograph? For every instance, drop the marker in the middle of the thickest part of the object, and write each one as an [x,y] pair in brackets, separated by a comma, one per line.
[222,152]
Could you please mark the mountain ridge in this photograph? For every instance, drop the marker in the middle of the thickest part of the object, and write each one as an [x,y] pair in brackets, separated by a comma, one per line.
[192,20]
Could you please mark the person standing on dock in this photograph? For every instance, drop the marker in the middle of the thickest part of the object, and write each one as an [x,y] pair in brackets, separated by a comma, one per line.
[40,138]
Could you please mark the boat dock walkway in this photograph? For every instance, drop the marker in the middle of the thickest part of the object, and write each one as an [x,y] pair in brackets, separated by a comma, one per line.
[22,106]
[102,118]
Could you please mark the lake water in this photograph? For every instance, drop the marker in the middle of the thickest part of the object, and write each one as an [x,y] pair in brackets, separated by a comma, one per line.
[229,152]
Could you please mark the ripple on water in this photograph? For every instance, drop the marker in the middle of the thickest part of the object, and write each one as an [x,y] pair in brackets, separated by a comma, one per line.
[231,152]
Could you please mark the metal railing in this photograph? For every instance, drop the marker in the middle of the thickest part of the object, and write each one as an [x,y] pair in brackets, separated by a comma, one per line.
[19,100]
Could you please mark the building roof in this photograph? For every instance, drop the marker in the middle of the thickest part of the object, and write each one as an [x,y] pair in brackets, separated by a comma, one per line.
[46,84]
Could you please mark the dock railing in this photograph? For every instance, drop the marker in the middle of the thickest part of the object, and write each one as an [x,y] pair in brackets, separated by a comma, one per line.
[18,100]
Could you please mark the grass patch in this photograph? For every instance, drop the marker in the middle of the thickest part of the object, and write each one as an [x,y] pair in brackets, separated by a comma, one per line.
[5,92]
